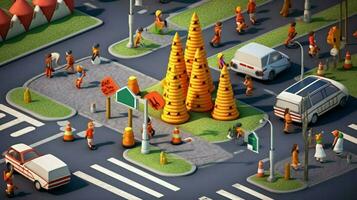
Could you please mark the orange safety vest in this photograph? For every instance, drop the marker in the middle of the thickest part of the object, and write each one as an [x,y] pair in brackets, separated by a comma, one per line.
[89,133]
[287,118]
[251,7]
[70,60]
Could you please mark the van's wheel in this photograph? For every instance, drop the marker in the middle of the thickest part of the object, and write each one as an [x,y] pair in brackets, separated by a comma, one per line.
[314,119]
[343,102]
[37,185]
[271,75]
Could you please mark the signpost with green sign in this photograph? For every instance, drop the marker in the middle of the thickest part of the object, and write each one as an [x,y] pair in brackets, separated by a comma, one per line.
[253,142]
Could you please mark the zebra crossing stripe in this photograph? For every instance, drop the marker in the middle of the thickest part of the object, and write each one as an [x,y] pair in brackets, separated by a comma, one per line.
[21,116]
[105,186]
[10,124]
[143,174]
[2,115]
[127,181]
[22,131]
[228,195]
[252,192]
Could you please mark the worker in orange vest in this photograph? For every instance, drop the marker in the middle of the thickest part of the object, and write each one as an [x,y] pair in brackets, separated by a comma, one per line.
[241,25]
[80,75]
[291,34]
[159,22]
[287,121]
[216,40]
[48,66]
[70,61]
[313,48]
[138,37]
[90,135]
[95,51]
[251,9]
[248,82]
[10,187]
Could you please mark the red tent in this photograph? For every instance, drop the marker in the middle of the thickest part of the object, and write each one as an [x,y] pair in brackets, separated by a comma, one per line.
[70,4]
[4,23]
[47,6]
[23,11]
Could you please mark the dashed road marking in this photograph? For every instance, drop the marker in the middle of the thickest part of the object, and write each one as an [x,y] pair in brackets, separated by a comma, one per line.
[349,138]
[353,126]
[53,137]
[238,152]
[90,5]
[10,124]
[143,11]
[21,116]
[270,92]
[252,192]
[204,198]
[2,115]
[228,195]
[22,131]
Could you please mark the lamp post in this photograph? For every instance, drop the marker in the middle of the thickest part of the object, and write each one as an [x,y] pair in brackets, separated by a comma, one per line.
[145,139]
[302,59]
[307,12]
[271,177]
[131,21]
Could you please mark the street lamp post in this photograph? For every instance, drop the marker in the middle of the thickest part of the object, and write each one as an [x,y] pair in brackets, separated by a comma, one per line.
[131,21]
[307,12]
[302,59]
[271,177]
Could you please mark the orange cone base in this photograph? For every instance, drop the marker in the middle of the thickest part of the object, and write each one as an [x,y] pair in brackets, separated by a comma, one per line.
[260,175]
[68,138]
[347,66]
[128,146]
[176,142]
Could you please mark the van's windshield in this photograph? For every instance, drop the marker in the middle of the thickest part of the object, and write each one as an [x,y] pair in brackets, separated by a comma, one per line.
[285,104]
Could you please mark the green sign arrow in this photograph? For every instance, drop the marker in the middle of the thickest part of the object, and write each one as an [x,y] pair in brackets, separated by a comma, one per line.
[126,97]
[253,142]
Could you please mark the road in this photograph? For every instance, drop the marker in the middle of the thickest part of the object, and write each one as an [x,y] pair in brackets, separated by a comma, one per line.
[207,180]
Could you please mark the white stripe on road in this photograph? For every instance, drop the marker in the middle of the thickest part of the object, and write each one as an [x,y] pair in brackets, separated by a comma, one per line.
[53,137]
[22,131]
[105,186]
[350,138]
[265,160]
[353,126]
[2,115]
[140,12]
[127,181]
[270,92]
[90,5]
[238,152]
[143,174]
[10,123]
[228,195]
[81,134]
[204,198]
[21,116]
[250,191]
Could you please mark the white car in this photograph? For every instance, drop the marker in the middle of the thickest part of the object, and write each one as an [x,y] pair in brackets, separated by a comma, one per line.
[45,171]
[259,61]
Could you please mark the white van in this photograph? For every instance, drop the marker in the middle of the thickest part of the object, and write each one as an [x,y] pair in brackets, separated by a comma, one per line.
[322,94]
[259,61]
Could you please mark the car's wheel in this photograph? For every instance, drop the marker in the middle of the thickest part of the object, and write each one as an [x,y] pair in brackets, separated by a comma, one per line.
[37,185]
[343,102]
[271,75]
[314,119]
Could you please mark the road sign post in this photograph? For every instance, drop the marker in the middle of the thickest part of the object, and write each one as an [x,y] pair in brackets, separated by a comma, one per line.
[253,142]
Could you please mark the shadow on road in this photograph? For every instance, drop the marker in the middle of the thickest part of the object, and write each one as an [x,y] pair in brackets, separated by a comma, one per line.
[75,184]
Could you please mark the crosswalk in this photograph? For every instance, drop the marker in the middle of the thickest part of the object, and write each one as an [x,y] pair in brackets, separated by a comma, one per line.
[20,118]
[121,178]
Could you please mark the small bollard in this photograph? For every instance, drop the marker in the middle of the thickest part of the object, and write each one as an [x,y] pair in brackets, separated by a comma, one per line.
[93,108]
[287,171]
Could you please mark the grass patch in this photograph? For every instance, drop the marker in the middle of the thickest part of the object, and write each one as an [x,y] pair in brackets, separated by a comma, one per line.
[277,36]
[346,77]
[45,34]
[121,49]
[40,105]
[176,165]
[153,30]
[210,12]
[214,130]
[280,184]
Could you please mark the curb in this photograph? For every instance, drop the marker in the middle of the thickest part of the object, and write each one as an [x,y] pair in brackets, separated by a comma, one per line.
[193,168]
[99,23]
[38,116]
[276,191]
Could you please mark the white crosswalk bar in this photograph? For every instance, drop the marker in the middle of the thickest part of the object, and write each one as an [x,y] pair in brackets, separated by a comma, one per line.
[353,126]
[21,116]
[2,115]
[10,124]
[126,180]
[204,198]
[350,138]
[105,186]
[143,174]
[53,137]
[252,192]
[228,195]
[22,131]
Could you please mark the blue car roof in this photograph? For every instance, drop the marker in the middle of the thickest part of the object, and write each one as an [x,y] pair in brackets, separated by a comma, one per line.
[306,86]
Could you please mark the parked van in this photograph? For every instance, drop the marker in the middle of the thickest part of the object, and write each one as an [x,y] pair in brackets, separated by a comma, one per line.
[259,61]
[321,94]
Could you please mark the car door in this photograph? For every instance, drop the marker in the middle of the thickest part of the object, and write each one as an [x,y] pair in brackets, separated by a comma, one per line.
[317,100]
[277,62]
[331,93]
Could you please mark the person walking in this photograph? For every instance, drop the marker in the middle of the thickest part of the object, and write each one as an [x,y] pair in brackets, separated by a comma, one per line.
[287,121]
[337,144]
[216,40]
[320,154]
[69,62]
[291,34]
[251,9]
[48,66]
[295,163]
[90,135]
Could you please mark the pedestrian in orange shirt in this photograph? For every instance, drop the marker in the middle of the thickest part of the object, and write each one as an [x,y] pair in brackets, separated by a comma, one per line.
[70,62]
[248,82]
[48,66]
[313,48]
[291,34]
[138,38]
[287,121]
[251,9]
[90,135]
[216,40]
[10,187]
[285,9]
[241,25]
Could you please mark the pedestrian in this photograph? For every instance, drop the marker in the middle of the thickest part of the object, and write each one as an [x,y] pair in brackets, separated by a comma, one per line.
[241,25]
[337,144]
[160,23]
[291,34]
[285,9]
[239,131]
[10,187]
[96,53]
[138,38]
[251,9]
[48,66]
[248,82]
[90,135]
[70,62]
[333,38]
[150,129]
[80,75]
[320,154]
[220,60]
[313,48]
[295,157]
[287,121]
[216,40]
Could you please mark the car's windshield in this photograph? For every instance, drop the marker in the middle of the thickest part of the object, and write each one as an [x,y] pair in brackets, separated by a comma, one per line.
[30,155]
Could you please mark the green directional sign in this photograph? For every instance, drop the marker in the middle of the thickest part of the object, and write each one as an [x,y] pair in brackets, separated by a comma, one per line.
[126,97]
[253,142]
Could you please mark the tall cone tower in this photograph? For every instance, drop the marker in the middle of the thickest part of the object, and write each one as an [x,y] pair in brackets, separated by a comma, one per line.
[194,41]
[199,96]
[175,111]
[225,106]
[177,61]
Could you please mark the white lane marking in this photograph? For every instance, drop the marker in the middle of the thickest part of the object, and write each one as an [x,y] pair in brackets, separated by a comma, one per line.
[270,92]
[353,126]
[21,116]
[90,5]
[250,191]
[143,174]
[82,134]
[140,12]
[2,115]
[228,195]
[63,128]
[22,131]
[105,186]
[238,152]
[350,138]
[265,160]
[10,123]
[62,123]
[126,180]
[53,137]
[204,198]
[97,124]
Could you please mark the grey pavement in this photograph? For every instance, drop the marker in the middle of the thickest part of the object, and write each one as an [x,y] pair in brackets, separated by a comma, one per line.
[62,89]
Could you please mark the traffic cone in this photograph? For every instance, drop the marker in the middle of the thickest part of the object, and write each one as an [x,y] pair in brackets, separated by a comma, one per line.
[260,172]
[176,138]
[68,136]
[133,85]
[128,138]
[320,69]
[348,63]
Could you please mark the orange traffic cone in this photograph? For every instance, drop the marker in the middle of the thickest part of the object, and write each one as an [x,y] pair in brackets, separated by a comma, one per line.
[68,136]
[348,63]
[128,138]
[176,138]
[260,172]
[320,69]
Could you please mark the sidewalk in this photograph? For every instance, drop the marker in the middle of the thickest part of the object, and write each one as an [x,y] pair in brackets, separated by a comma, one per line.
[62,89]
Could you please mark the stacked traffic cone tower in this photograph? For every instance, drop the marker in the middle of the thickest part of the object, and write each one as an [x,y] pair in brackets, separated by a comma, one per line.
[68,136]
[320,69]
[348,63]
[174,111]
[195,41]
[225,105]
[177,60]
[198,96]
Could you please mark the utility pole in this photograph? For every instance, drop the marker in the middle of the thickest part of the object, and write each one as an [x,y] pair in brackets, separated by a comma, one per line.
[346,22]
[307,12]
[305,122]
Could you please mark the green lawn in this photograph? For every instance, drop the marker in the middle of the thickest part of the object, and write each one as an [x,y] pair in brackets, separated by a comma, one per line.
[346,77]
[210,12]
[214,130]
[280,184]
[277,36]
[45,34]
[175,164]
[121,49]
[153,30]
[40,105]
